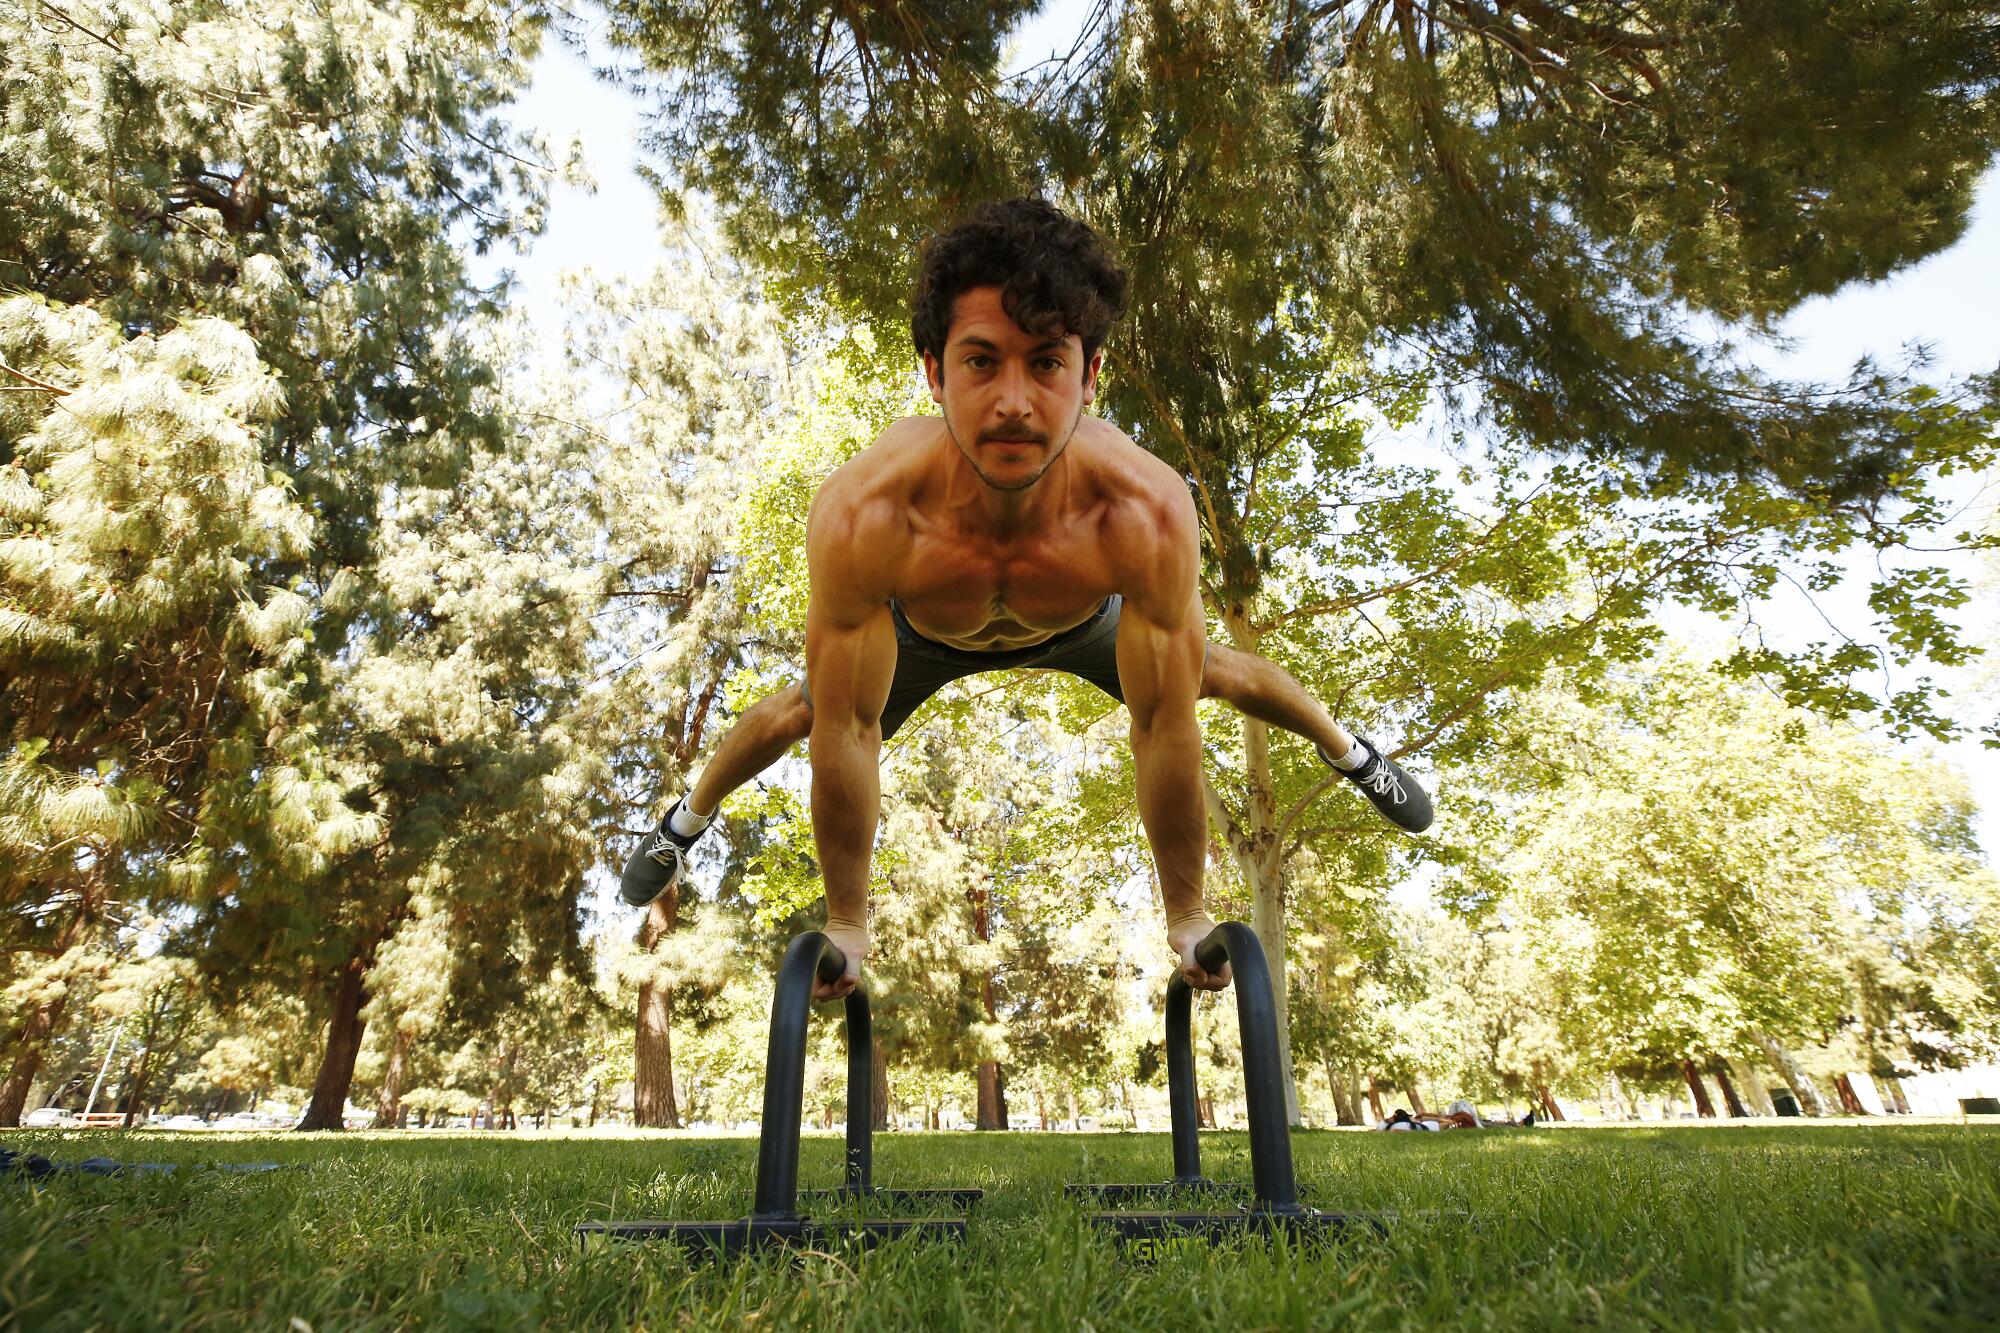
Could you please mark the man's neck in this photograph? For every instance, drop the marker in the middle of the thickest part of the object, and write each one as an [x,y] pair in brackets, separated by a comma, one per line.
[1006,515]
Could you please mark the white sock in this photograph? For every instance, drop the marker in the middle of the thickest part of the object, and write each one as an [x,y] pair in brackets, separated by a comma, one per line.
[1356,756]
[685,821]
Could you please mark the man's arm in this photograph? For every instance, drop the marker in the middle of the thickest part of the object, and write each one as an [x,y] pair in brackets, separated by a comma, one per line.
[1160,647]
[850,661]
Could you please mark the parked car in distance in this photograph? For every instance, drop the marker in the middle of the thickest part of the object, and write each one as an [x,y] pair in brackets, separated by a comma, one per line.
[241,1120]
[49,1117]
[180,1122]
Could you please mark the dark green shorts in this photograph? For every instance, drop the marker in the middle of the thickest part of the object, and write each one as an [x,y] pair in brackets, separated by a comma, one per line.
[925,666]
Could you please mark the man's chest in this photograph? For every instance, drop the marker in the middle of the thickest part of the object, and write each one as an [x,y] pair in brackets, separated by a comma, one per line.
[958,587]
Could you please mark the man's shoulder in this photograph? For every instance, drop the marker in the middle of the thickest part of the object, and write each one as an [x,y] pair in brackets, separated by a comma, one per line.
[1144,494]
[899,454]
[866,497]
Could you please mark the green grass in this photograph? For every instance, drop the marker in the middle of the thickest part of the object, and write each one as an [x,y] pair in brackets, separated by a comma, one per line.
[1811,1227]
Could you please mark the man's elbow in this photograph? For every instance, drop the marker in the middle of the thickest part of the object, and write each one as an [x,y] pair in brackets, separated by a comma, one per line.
[1157,726]
[845,725]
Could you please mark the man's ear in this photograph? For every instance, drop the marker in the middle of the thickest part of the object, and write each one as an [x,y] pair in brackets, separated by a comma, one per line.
[1090,374]
[934,377]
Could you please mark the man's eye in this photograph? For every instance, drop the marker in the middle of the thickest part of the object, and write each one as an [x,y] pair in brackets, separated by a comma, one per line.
[978,362]
[1050,363]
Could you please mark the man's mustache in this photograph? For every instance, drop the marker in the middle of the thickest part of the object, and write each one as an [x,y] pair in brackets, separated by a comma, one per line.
[1003,435]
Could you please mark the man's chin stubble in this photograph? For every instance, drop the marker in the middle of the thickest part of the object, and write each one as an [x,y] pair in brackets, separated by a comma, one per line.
[1040,472]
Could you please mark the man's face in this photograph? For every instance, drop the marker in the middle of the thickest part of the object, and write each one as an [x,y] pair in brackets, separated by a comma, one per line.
[1011,398]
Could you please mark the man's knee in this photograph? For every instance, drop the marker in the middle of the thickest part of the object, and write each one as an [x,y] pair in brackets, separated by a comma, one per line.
[794,710]
[1220,672]
[782,715]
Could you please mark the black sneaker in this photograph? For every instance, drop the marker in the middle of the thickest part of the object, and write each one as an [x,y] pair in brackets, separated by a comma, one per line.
[657,863]
[1391,790]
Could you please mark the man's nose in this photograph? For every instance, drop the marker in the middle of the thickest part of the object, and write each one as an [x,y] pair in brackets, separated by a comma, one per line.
[1011,398]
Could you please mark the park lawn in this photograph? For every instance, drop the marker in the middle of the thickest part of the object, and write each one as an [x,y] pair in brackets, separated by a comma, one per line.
[1821,1227]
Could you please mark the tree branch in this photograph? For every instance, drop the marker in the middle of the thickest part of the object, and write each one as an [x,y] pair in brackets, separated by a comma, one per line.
[32,382]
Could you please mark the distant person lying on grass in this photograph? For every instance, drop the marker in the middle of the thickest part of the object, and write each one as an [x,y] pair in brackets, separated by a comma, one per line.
[1462,1115]
[1403,1122]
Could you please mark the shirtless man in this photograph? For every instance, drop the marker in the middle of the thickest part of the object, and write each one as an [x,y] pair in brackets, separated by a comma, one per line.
[1013,531]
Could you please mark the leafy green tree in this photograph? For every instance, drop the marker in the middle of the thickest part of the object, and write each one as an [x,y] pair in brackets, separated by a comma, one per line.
[1749,897]
[1533,213]
[690,373]
[1534,195]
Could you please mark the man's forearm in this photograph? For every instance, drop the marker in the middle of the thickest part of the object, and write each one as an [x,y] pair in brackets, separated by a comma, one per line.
[846,805]
[1166,761]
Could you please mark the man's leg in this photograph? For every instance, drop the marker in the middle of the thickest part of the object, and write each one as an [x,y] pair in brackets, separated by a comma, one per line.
[768,728]
[1266,691]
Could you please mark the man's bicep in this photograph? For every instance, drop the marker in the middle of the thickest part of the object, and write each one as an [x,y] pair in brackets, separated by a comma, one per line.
[849,666]
[1159,666]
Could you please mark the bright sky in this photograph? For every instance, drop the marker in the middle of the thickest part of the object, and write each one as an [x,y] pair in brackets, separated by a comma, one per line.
[1946,302]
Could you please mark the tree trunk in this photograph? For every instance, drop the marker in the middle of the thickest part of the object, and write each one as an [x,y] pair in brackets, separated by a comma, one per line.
[1375,1102]
[1260,856]
[31,1045]
[878,1100]
[1788,1069]
[1850,1101]
[503,1086]
[1346,1102]
[138,1074]
[991,1111]
[1757,1097]
[1550,1106]
[389,1102]
[1896,1099]
[343,1043]
[653,1103]
[1204,1112]
[1703,1107]
[1730,1100]
[1416,1098]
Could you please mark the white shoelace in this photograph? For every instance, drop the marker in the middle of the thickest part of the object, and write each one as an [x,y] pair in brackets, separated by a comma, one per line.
[1383,782]
[664,851]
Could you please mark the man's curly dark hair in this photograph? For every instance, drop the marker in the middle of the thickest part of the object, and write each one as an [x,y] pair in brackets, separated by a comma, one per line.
[1054,273]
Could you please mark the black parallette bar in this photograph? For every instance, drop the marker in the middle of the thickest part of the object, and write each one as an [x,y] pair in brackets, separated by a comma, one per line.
[785,1073]
[1156,1189]
[1155,1235]
[1183,1104]
[775,1218]
[860,1165]
[1234,943]
[752,1233]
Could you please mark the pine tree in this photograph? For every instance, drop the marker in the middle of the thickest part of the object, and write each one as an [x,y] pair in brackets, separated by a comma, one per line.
[277,201]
